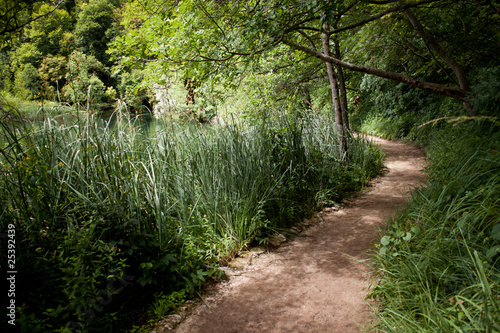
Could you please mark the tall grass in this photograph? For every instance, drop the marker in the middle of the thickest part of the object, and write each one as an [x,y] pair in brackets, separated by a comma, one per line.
[94,204]
[439,259]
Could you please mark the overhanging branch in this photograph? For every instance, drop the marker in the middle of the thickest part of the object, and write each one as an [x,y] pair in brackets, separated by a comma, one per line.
[380,15]
[436,88]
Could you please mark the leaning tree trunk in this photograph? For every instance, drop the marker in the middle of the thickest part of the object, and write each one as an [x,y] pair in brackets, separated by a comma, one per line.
[433,43]
[343,91]
[335,98]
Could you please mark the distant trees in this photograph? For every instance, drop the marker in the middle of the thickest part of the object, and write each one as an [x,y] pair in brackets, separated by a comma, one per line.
[57,50]
[93,30]
[50,34]
[83,83]
[16,15]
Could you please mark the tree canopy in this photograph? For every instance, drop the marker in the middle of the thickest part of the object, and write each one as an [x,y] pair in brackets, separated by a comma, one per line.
[424,44]
[208,39]
[15,15]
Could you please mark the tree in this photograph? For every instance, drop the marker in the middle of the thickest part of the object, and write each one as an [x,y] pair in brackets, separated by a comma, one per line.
[27,82]
[15,15]
[47,33]
[224,37]
[82,82]
[52,72]
[335,95]
[93,29]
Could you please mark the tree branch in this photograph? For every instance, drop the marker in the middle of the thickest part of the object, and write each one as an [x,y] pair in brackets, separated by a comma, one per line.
[306,36]
[380,15]
[436,88]
[434,44]
[7,30]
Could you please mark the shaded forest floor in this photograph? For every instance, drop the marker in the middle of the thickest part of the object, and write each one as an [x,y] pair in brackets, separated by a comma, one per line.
[318,281]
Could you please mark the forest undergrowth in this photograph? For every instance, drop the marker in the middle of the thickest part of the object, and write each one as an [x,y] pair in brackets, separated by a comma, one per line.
[108,217]
[438,264]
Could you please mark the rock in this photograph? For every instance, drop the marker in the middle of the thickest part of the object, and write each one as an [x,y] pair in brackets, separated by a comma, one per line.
[174,318]
[237,264]
[277,240]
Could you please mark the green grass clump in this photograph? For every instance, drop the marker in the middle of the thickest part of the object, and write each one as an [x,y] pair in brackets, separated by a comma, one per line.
[107,216]
[438,262]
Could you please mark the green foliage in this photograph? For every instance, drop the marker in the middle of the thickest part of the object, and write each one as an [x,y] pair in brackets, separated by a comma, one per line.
[438,261]
[4,72]
[52,75]
[164,304]
[14,15]
[27,82]
[110,213]
[83,85]
[27,53]
[47,34]
[394,111]
[93,28]
[130,88]
[485,95]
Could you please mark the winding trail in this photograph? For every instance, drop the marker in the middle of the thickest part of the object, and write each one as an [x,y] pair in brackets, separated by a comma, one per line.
[318,281]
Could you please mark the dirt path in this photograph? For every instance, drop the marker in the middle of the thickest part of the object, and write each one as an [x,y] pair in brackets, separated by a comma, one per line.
[318,281]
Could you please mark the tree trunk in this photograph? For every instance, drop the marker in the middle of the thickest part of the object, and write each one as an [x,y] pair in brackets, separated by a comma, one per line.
[335,98]
[447,58]
[306,101]
[343,91]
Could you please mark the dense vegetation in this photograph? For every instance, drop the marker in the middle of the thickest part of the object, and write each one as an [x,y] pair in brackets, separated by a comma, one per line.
[112,214]
[93,204]
[438,260]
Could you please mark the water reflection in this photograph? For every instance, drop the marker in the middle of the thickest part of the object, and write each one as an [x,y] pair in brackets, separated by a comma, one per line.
[147,124]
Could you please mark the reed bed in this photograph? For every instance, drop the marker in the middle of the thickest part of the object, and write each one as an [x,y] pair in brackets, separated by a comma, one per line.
[96,205]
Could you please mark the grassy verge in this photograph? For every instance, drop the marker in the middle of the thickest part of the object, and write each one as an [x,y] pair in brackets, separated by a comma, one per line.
[438,263]
[108,218]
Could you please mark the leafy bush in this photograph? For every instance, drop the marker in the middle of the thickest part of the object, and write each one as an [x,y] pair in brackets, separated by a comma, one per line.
[485,94]
[83,85]
[52,74]
[27,83]
[396,111]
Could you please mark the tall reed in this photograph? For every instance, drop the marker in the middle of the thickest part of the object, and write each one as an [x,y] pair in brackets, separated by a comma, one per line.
[97,200]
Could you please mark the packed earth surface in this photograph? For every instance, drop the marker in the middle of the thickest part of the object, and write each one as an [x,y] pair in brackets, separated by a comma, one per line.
[318,280]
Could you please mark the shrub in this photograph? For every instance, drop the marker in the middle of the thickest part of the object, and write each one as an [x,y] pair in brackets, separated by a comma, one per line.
[83,85]
[27,82]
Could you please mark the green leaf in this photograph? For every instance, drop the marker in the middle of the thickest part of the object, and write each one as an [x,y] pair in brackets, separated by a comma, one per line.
[386,240]
[416,229]
[492,251]
[146,265]
[495,232]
